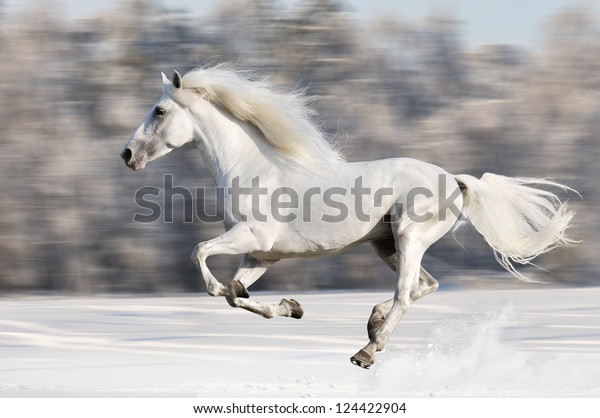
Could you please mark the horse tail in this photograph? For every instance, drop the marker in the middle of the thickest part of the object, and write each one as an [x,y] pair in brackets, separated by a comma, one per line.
[517,220]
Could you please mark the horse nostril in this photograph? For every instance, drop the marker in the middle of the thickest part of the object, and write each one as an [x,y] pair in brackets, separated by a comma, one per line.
[126,155]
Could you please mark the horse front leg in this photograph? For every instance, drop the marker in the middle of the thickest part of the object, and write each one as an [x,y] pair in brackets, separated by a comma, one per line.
[240,239]
[239,298]
[213,286]
[249,271]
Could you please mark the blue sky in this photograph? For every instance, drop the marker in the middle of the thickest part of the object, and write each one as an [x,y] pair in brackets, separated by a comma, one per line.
[484,21]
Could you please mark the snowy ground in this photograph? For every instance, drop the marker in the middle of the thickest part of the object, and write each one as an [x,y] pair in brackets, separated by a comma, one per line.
[542,342]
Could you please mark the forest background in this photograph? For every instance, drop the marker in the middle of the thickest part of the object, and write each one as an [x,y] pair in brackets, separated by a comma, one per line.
[74,90]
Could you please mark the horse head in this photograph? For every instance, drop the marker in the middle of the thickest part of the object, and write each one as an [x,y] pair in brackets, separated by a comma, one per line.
[167,126]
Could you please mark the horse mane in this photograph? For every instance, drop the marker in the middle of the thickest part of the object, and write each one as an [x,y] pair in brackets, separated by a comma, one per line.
[286,120]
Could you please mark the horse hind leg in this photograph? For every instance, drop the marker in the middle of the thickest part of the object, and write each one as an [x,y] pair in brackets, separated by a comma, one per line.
[409,262]
[386,250]
[427,284]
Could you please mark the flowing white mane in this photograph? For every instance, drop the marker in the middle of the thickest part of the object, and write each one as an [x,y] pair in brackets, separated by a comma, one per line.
[286,120]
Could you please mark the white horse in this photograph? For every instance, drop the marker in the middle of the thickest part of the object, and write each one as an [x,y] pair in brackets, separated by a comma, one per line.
[289,193]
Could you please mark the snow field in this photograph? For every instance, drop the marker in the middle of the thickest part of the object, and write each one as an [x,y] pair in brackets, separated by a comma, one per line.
[540,342]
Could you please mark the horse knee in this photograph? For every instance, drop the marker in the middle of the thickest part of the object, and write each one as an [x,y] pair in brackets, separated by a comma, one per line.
[198,253]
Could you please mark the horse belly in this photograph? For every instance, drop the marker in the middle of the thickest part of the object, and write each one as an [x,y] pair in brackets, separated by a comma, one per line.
[321,239]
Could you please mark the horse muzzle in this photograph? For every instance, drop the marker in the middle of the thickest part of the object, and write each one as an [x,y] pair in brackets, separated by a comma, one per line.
[134,164]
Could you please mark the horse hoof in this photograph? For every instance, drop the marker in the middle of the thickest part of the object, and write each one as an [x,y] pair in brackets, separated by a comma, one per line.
[294,307]
[237,290]
[362,359]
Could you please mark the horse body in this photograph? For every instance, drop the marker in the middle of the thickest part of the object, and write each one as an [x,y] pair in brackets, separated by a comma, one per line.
[288,193]
[314,227]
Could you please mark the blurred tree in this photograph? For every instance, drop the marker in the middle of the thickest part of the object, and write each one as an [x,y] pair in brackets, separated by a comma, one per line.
[389,87]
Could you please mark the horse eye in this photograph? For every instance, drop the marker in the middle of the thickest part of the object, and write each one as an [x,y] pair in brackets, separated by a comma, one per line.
[159,111]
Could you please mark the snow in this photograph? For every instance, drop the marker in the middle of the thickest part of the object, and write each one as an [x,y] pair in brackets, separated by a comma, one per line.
[534,342]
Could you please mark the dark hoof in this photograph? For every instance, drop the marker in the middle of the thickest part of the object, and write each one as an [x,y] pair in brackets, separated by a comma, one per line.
[362,359]
[296,310]
[237,290]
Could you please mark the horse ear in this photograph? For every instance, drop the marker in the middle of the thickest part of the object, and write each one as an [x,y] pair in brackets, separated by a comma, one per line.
[165,80]
[176,80]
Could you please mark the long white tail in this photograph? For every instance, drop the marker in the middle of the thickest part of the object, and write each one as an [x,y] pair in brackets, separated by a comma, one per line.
[518,221]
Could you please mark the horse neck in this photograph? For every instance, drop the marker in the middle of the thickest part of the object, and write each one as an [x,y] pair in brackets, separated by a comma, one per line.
[229,147]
